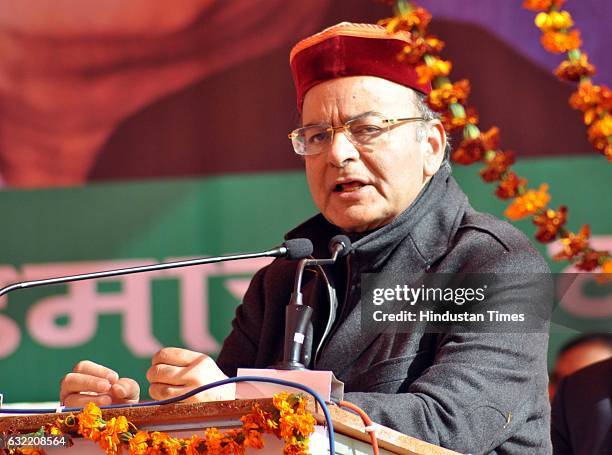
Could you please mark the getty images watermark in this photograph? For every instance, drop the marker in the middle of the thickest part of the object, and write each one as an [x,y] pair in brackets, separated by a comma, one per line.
[482,302]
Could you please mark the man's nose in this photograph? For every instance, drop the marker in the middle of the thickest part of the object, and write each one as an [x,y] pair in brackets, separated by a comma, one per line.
[341,149]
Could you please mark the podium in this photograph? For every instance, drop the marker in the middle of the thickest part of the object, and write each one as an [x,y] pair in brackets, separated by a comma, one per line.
[184,420]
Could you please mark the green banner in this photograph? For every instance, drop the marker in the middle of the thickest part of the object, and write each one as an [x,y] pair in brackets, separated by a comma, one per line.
[122,321]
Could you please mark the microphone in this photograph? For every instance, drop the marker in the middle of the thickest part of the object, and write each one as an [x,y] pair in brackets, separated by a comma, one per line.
[295,249]
[339,246]
[298,315]
[291,249]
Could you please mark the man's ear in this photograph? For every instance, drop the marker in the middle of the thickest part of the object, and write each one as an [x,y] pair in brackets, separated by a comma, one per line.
[434,148]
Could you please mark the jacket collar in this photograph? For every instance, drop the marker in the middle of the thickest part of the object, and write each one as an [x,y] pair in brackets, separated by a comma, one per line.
[430,222]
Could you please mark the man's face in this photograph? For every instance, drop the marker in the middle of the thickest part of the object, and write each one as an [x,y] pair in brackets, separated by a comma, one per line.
[575,359]
[360,188]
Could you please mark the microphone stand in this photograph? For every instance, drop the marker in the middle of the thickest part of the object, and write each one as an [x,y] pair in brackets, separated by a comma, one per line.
[298,315]
[284,250]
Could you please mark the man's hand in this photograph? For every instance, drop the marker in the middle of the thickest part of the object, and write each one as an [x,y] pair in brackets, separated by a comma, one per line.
[176,371]
[90,382]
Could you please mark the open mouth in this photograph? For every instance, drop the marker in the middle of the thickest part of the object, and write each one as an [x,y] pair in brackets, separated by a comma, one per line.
[348,186]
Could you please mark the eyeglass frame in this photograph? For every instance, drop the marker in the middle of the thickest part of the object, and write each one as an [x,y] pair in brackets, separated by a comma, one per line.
[345,126]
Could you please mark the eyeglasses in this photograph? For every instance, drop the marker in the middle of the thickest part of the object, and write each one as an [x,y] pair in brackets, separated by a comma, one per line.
[366,130]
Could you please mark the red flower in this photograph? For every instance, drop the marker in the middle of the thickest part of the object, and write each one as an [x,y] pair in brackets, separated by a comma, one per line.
[542,5]
[549,222]
[509,186]
[452,123]
[497,166]
[573,70]
[472,150]
[574,244]
[600,135]
[440,98]
[590,260]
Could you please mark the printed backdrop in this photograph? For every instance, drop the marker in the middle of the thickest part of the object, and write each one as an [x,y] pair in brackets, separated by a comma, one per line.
[142,132]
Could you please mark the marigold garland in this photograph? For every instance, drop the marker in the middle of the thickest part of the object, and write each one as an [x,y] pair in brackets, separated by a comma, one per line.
[290,421]
[559,36]
[450,98]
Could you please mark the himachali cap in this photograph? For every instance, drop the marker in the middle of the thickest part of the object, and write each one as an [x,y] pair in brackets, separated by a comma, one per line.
[348,49]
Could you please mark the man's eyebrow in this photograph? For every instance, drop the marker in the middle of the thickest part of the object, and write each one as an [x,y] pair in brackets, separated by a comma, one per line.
[363,114]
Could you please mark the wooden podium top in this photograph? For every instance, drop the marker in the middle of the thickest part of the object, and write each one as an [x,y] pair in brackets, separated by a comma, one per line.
[200,415]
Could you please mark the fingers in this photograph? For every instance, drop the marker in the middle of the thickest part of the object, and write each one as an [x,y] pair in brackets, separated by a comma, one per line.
[79,400]
[176,356]
[168,374]
[125,390]
[78,382]
[94,369]
[176,371]
[91,382]
[160,391]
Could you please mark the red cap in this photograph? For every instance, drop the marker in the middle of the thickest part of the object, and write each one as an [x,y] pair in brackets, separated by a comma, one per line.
[348,49]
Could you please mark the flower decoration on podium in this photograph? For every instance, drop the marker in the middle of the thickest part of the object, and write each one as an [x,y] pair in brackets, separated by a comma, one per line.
[288,421]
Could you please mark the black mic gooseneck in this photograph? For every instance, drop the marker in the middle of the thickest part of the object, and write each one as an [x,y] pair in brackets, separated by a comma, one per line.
[298,315]
[291,249]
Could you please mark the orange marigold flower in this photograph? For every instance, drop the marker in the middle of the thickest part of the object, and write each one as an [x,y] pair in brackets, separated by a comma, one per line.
[110,436]
[139,443]
[428,72]
[554,21]
[590,260]
[53,430]
[509,186]
[295,450]
[497,166]
[542,5]
[418,46]
[214,438]
[195,445]
[558,42]
[605,276]
[253,436]
[281,402]
[574,244]
[573,70]
[472,150]
[528,204]
[452,123]
[416,20]
[29,451]
[600,135]
[549,222]
[90,420]
[164,443]
[589,95]
[434,44]
[591,99]
[440,98]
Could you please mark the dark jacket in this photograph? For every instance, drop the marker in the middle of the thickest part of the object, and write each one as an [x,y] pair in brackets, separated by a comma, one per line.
[470,392]
[582,412]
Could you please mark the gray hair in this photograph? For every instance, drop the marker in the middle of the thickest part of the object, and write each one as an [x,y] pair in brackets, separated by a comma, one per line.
[428,113]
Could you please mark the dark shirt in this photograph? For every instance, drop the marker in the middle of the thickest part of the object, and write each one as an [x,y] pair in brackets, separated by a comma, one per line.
[582,412]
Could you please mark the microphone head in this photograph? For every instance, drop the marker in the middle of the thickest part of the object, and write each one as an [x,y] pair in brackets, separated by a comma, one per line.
[340,243]
[298,248]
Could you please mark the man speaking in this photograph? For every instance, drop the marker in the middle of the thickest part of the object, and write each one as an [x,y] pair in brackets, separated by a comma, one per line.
[375,159]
